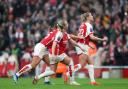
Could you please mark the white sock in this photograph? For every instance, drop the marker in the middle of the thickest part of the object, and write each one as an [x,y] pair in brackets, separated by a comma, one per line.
[47,79]
[18,74]
[71,73]
[72,78]
[45,74]
[77,67]
[24,69]
[91,72]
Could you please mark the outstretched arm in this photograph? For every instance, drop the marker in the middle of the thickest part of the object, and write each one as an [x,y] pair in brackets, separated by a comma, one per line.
[92,37]
[74,43]
[76,37]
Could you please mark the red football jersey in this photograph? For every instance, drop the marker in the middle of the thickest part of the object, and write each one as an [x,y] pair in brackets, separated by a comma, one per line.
[61,45]
[54,35]
[85,30]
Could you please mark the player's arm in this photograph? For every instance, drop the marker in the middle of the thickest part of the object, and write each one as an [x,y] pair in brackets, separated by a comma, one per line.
[80,34]
[92,37]
[74,43]
[56,41]
[76,37]
[54,47]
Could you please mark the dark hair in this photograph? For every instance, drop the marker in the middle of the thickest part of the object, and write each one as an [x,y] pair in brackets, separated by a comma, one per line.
[84,16]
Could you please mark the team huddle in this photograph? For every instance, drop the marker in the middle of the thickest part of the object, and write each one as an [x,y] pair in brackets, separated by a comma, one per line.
[51,49]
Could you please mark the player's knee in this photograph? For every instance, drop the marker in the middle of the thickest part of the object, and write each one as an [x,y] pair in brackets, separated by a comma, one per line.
[67,61]
[35,62]
[33,65]
[90,61]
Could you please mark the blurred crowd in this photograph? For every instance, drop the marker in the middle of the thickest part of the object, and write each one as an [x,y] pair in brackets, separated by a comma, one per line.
[23,23]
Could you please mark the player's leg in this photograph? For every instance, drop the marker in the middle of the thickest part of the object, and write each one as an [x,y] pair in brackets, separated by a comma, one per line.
[82,57]
[28,67]
[81,64]
[47,79]
[38,54]
[53,66]
[34,63]
[48,71]
[85,58]
[91,72]
[68,61]
[46,59]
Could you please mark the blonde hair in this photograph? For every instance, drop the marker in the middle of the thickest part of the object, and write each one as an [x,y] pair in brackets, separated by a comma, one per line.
[84,16]
[61,23]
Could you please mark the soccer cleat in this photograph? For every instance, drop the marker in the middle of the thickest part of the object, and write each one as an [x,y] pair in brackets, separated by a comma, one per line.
[94,83]
[65,77]
[35,80]
[74,83]
[47,83]
[15,78]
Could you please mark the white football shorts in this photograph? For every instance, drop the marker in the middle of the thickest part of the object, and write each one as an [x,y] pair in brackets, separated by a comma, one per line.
[79,51]
[40,50]
[57,58]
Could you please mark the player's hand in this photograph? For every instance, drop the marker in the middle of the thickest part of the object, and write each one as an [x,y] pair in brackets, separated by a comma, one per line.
[53,57]
[105,39]
[81,37]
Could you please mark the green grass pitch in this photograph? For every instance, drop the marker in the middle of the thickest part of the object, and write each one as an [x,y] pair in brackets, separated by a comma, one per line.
[26,83]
